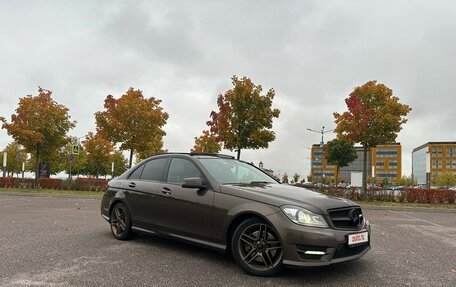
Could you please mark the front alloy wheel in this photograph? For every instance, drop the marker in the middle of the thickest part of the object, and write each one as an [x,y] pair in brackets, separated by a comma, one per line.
[257,248]
[120,222]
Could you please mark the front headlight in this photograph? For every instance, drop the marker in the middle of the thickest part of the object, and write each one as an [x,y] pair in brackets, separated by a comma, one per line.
[302,216]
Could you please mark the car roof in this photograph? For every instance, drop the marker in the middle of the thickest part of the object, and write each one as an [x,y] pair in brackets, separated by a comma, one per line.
[201,154]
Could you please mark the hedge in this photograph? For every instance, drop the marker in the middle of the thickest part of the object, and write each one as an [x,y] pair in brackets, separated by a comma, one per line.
[410,195]
[89,184]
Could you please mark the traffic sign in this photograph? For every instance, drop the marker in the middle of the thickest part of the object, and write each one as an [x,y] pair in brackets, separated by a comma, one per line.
[75,149]
[71,157]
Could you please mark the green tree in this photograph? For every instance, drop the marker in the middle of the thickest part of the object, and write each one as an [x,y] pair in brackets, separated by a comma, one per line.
[285,178]
[40,125]
[78,164]
[206,143]
[99,156]
[244,119]
[374,117]
[296,177]
[309,178]
[406,181]
[16,155]
[446,179]
[53,159]
[120,163]
[132,120]
[339,153]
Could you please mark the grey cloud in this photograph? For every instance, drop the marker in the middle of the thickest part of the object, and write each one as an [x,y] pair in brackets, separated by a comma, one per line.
[313,53]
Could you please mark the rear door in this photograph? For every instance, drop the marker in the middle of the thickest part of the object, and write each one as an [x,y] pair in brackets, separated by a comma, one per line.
[187,212]
[144,196]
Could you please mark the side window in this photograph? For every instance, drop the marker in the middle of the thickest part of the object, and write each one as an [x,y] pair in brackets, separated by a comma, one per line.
[154,169]
[180,169]
[137,173]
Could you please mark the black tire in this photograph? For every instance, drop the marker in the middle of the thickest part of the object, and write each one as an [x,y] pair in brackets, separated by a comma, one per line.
[120,222]
[257,248]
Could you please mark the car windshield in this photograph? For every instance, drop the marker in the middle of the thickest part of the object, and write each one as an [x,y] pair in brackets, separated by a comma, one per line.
[230,171]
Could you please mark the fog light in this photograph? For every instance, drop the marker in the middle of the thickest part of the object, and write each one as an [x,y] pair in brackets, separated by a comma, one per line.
[311,252]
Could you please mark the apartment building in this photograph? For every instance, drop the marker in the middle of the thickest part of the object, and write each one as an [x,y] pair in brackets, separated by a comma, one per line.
[384,160]
[321,170]
[434,157]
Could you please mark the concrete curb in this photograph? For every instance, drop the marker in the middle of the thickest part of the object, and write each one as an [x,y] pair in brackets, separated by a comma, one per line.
[410,209]
[48,195]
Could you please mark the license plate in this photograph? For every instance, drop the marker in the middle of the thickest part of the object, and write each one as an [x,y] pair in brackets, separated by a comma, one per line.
[358,238]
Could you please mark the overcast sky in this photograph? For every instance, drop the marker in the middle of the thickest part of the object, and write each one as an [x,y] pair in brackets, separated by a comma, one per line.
[313,53]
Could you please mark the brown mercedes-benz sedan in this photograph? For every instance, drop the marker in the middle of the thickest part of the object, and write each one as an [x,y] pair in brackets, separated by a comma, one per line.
[226,204]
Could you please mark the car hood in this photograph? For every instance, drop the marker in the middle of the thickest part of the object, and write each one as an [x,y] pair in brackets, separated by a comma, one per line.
[282,194]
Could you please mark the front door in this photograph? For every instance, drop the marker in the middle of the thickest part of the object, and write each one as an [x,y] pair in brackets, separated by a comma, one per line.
[188,211]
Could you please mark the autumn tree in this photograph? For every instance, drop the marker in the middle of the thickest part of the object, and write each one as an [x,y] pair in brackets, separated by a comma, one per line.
[40,125]
[374,117]
[16,155]
[244,118]
[150,149]
[339,153]
[206,143]
[99,156]
[133,121]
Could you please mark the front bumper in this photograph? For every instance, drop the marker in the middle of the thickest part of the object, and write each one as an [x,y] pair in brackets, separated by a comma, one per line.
[330,245]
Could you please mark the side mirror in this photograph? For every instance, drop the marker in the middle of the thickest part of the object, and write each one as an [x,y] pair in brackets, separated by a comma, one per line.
[193,182]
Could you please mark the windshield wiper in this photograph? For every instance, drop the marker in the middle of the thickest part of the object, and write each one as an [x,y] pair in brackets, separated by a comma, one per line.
[260,182]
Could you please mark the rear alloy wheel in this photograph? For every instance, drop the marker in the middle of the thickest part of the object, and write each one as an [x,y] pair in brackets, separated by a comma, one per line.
[257,248]
[120,222]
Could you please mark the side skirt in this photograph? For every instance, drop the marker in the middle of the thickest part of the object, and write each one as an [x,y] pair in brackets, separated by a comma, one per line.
[182,238]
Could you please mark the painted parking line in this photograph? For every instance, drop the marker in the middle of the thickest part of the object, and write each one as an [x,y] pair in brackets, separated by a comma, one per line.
[416,218]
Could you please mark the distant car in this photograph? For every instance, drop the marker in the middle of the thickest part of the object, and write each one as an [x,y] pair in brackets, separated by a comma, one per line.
[230,205]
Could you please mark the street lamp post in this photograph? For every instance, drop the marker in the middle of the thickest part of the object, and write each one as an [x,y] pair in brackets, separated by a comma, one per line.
[70,159]
[321,132]
[428,170]
[5,157]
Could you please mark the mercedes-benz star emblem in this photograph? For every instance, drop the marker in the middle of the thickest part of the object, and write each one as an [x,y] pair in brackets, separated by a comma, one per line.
[356,217]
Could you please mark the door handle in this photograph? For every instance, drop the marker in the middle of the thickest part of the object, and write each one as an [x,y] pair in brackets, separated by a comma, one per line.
[166,190]
[132,184]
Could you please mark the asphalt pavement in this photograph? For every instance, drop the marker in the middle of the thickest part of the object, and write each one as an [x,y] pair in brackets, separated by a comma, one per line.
[46,241]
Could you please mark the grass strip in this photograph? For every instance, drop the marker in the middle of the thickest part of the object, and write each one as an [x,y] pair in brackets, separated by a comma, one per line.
[100,193]
[50,192]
